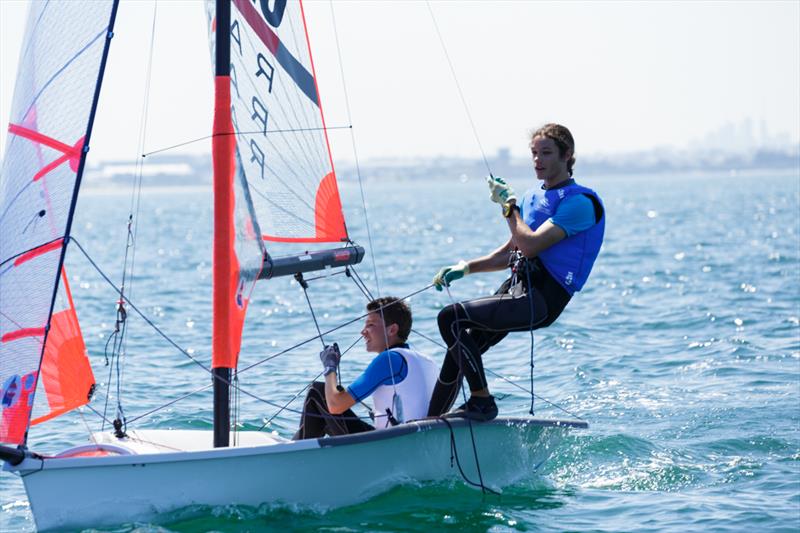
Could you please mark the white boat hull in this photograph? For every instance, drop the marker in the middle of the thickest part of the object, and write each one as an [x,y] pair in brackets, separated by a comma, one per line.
[70,492]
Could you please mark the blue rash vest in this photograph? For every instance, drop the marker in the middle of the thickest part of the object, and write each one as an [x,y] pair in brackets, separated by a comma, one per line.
[570,260]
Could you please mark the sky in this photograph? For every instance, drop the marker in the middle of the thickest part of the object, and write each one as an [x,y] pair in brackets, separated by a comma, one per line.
[623,76]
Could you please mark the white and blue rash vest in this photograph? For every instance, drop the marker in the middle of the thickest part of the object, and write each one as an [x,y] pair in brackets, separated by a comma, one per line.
[570,260]
[399,370]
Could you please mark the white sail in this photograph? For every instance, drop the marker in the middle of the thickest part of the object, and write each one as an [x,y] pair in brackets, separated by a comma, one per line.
[276,183]
[54,101]
[280,129]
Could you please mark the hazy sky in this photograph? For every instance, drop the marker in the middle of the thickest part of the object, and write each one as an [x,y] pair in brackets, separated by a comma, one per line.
[623,76]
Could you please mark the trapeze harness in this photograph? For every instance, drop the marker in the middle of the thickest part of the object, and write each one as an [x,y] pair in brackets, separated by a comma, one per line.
[533,296]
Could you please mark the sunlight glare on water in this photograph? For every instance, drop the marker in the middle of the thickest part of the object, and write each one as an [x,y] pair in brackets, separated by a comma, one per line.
[682,352]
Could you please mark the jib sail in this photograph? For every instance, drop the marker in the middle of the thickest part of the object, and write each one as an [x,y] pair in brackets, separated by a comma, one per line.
[61,63]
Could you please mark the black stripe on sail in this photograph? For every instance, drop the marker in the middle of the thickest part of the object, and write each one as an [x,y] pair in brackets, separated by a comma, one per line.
[302,77]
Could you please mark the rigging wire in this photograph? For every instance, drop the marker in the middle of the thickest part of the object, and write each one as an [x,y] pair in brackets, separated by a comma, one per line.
[355,149]
[158,330]
[529,289]
[458,86]
[273,356]
[260,132]
[528,392]
[315,378]
[119,337]
[119,347]
[174,344]
[360,283]
[304,285]
[361,190]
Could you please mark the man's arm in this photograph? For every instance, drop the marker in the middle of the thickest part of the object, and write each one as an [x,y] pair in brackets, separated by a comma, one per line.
[496,260]
[338,401]
[575,214]
[531,243]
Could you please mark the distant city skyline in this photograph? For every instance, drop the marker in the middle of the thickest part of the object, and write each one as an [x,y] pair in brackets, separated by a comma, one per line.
[625,77]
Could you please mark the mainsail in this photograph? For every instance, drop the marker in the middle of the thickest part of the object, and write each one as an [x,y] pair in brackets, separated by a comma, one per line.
[58,81]
[274,142]
[276,111]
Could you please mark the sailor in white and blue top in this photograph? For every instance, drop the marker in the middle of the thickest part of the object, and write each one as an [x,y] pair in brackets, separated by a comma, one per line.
[399,379]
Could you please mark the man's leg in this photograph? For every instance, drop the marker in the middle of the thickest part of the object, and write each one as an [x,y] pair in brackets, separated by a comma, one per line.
[312,421]
[474,341]
[316,421]
[470,328]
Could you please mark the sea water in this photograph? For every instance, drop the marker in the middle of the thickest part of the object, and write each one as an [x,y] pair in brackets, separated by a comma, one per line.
[682,351]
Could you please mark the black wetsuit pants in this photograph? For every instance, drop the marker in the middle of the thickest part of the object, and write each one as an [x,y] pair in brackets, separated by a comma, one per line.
[317,422]
[471,327]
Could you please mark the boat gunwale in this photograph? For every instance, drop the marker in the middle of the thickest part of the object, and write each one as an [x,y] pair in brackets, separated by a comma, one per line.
[31,465]
[428,424]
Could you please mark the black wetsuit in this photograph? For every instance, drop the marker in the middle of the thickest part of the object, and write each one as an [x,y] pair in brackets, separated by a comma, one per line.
[471,327]
[316,421]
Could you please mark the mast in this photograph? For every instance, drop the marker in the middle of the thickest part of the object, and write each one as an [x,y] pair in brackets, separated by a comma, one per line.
[223,146]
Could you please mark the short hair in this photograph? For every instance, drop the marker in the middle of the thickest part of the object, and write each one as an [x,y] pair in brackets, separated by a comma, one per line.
[394,311]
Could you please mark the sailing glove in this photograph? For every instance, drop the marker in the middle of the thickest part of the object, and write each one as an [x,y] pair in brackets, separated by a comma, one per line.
[450,273]
[330,357]
[501,192]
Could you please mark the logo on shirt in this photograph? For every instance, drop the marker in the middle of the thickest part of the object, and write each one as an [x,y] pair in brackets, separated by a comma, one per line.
[568,279]
[543,205]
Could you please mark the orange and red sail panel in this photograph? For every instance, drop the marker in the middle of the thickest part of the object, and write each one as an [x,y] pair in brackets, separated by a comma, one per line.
[58,78]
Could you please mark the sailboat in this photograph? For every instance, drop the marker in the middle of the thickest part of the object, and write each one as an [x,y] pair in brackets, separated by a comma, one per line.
[274,182]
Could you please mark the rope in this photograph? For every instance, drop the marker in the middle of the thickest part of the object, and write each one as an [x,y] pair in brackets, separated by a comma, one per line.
[269,358]
[454,455]
[498,375]
[266,359]
[361,190]
[304,285]
[464,397]
[529,288]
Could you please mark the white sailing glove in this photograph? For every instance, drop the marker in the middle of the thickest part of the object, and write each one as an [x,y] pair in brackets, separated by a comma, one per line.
[501,192]
[450,273]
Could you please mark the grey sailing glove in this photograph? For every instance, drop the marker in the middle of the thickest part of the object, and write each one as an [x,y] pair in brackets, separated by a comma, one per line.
[330,357]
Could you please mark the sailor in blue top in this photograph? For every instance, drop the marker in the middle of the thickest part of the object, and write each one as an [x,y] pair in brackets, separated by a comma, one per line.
[556,233]
[399,379]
